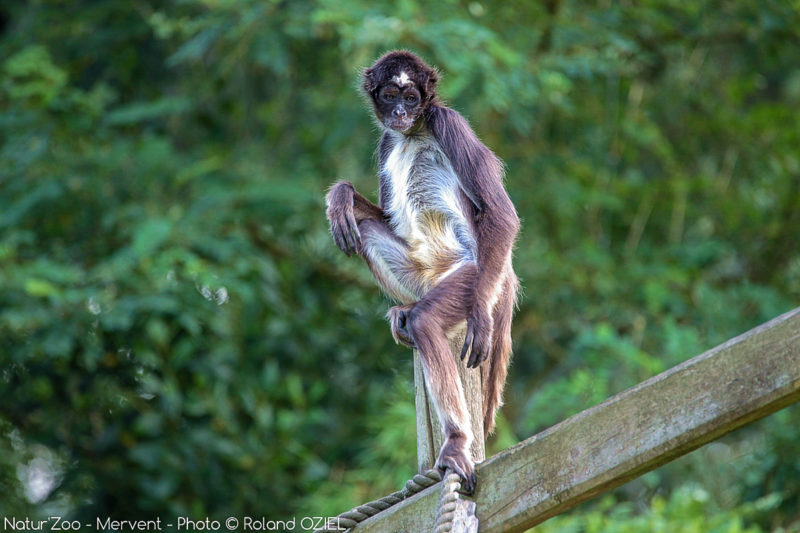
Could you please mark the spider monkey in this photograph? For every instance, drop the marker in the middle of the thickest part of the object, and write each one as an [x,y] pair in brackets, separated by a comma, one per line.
[439,242]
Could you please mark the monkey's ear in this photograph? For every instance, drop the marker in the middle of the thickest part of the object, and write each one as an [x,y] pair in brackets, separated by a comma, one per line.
[369,84]
[430,83]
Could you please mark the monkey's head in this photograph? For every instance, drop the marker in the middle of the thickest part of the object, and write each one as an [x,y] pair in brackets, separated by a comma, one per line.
[400,86]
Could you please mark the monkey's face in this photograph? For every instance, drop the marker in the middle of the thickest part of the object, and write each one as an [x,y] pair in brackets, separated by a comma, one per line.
[398,104]
[400,86]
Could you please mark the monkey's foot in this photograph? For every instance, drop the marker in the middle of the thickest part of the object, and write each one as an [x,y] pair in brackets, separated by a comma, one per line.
[398,318]
[455,456]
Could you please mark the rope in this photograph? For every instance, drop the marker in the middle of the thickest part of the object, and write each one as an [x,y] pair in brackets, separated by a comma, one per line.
[358,514]
[446,511]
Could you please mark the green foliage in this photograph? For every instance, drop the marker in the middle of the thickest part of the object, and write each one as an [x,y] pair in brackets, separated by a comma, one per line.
[688,510]
[178,335]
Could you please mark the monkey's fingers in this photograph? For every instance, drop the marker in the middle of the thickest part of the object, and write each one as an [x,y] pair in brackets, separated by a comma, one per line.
[339,237]
[480,349]
[352,231]
[401,336]
[350,240]
[398,319]
[468,339]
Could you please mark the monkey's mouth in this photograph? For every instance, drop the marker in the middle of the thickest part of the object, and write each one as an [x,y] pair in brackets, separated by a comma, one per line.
[401,124]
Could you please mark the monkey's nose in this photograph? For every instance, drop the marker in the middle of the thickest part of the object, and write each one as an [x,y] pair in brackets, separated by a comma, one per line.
[399,112]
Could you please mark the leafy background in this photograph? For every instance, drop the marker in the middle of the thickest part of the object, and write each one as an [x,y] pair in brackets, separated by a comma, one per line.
[179,336]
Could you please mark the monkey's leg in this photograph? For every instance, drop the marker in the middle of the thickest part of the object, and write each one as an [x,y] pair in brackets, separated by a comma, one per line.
[386,254]
[428,322]
[500,352]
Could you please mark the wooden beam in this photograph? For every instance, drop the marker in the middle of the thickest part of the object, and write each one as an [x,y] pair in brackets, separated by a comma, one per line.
[669,415]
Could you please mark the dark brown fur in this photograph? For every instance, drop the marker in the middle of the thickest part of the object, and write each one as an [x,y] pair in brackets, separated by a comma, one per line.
[452,261]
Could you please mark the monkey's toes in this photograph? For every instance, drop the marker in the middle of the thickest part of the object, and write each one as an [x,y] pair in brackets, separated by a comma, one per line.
[455,458]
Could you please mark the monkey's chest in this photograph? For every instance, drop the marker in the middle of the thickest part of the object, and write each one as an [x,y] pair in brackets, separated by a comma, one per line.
[425,206]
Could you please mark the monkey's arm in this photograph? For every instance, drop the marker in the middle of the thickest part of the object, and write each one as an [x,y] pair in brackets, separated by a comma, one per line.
[496,222]
[346,208]
[385,147]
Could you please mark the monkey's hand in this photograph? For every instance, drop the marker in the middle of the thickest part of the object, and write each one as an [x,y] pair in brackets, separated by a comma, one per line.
[398,318]
[344,227]
[478,341]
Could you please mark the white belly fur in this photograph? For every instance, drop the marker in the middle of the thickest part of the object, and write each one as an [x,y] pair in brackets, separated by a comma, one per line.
[431,194]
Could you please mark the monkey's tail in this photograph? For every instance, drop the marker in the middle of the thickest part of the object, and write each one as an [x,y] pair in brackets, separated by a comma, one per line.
[500,355]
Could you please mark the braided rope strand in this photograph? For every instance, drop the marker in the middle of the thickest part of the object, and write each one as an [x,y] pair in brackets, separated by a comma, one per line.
[445,513]
[353,517]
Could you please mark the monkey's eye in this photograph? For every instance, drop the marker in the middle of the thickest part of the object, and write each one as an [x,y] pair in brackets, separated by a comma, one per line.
[411,98]
[389,95]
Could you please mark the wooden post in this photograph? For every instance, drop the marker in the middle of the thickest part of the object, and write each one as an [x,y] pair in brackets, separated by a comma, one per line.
[673,413]
[429,433]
